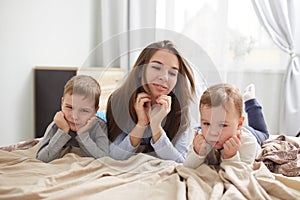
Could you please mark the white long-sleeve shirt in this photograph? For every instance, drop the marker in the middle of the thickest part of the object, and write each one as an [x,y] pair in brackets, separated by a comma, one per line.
[247,153]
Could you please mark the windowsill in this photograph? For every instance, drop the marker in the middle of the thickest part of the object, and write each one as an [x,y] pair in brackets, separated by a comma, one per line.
[270,71]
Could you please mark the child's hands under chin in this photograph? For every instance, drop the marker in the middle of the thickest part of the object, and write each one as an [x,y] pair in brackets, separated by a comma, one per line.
[199,144]
[231,146]
[61,122]
[87,126]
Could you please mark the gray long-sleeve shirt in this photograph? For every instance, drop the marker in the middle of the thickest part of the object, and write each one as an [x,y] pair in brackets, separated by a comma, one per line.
[93,143]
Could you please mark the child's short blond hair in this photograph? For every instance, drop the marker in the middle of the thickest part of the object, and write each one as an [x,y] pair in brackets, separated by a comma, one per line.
[222,94]
[84,85]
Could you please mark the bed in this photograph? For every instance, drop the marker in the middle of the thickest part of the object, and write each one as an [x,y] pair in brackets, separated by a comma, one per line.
[140,177]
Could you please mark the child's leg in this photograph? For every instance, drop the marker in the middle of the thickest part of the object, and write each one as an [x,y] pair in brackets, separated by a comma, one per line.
[256,119]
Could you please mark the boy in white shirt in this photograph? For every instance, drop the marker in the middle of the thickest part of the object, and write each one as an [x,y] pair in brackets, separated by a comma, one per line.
[223,136]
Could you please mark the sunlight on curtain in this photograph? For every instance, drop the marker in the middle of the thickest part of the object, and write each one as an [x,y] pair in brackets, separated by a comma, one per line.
[280,21]
[229,31]
[238,45]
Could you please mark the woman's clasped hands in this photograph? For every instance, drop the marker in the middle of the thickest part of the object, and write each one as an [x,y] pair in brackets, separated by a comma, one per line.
[151,111]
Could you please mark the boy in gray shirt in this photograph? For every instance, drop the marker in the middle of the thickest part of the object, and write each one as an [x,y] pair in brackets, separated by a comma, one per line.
[76,129]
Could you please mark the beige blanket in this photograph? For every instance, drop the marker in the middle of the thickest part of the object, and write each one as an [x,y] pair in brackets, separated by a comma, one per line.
[141,177]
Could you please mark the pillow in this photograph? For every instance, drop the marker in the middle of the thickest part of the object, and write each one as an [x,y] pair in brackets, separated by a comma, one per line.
[101,115]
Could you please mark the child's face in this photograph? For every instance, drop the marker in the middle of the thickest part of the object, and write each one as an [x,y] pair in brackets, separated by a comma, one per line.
[218,125]
[77,110]
[162,73]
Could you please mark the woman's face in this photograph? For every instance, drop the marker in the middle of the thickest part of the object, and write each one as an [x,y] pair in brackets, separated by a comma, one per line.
[161,73]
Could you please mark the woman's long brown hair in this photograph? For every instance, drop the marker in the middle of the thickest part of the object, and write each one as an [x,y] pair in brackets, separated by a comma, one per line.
[120,108]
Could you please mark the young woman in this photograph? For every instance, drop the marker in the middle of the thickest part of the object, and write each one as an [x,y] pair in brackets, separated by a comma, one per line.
[149,113]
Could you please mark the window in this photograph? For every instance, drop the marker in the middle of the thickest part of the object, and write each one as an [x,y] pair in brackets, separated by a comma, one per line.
[228,30]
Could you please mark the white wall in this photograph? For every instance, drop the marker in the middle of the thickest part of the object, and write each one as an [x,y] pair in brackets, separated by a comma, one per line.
[34,32]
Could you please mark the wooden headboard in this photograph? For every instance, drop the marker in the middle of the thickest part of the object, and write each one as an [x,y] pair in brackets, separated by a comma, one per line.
[108,78]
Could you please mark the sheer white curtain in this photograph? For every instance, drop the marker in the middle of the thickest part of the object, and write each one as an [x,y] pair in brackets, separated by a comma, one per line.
[114,35]
[278,18]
